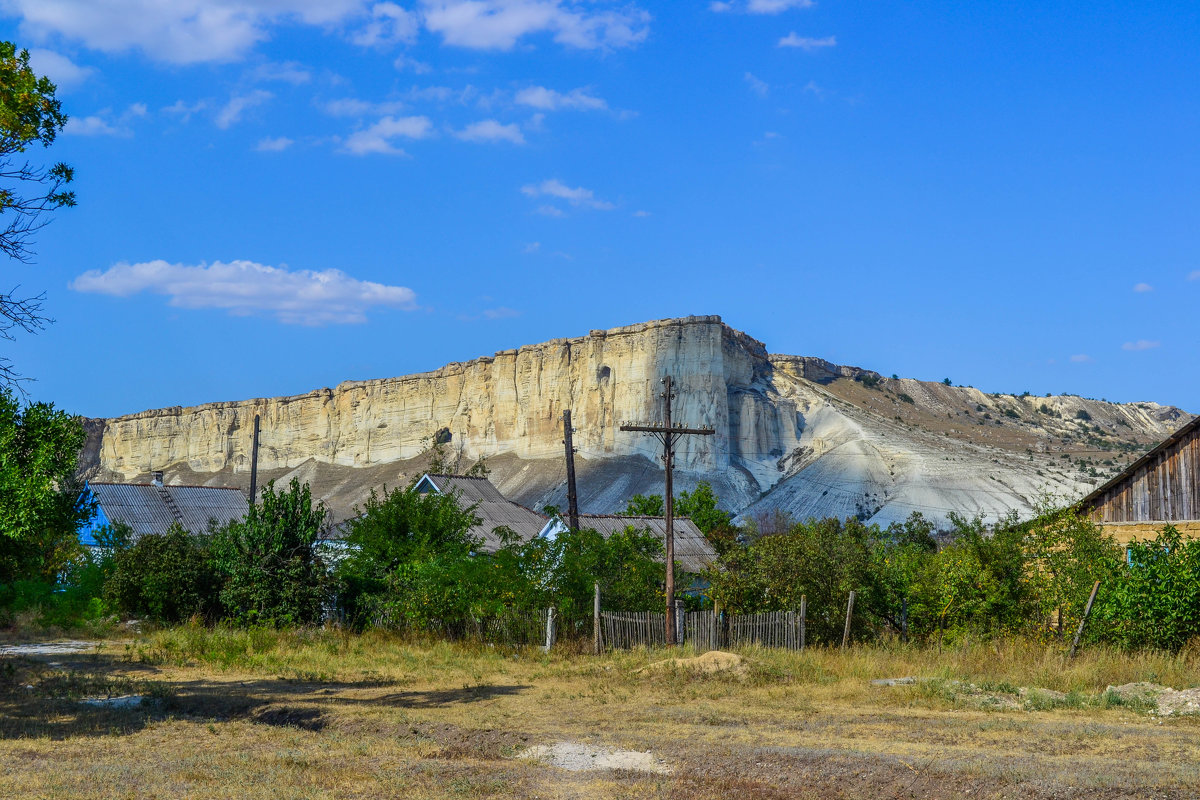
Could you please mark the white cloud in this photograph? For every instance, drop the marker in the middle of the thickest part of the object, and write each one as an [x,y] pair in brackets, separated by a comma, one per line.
[532,247]
[352,107]
[174,31]
[281,72]
[274,144]
[489,130]
[105,123]
[776,6]
[390,24]
[578,196]
[641,214]
[550,211]
[1194,276]
[550,100]
[503,312]
[759,87]
[65,73]
[1143,287]
[232,111]
[244,288]
[1081,358]
[378,138]
[403,62]
[759,6]
[1140,344]
[184,110]
[499,24]
[808,43]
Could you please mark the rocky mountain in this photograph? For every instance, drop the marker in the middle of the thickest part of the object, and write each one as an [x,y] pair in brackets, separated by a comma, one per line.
[792,433]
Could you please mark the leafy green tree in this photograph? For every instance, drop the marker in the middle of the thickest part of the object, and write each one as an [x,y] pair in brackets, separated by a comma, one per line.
[642,505]
[271,569]
[1067,553]
[166,577]
[396,528]
[41,503]
[30,115]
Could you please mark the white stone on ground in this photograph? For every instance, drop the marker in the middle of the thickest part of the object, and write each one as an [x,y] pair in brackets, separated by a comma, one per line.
[580,757]
[46,648]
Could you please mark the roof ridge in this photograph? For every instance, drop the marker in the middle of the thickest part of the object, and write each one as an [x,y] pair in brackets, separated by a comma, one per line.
[167,485]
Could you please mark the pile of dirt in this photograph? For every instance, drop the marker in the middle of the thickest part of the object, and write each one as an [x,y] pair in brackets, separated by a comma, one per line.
[706,663]
[1169,702]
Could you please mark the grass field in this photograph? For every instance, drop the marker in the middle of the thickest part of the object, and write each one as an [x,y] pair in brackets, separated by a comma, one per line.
[321,714]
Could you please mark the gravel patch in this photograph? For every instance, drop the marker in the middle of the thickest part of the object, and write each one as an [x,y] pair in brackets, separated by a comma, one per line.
[46,648]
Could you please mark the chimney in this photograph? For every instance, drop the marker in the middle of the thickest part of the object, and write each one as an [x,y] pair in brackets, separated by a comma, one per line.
[156,478]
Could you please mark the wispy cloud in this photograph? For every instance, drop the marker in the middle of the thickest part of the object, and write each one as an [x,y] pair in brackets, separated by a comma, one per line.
[503,312]
[274,144]
[579,196]
[245,288]
[550,211]
[1081,358]
[808,43]
[65,73]
[106,123]
[281,72]
[1143,287]
[531,248]
[1194,275]
[390,24]
[549,100]
[500,24]
[759,87]
[758,6]
[489,130]
[231,113]
[185,110]
[1140,344]
[353,107]
[380,137]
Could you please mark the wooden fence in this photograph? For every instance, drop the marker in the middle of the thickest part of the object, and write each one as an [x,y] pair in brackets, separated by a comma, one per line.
[510,627]
[704,630]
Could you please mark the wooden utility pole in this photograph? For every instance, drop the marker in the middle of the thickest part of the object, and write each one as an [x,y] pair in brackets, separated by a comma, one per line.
[572,496]
[254,463]
[1087,610]
[667,433]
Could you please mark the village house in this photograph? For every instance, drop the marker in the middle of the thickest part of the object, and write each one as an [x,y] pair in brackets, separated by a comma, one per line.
[1160,488]
[152,508]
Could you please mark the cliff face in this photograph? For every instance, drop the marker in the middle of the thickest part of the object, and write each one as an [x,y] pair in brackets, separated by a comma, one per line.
[793,433]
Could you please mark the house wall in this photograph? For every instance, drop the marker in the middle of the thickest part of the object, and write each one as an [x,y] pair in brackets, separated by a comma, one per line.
[1125,532]
[1165,488]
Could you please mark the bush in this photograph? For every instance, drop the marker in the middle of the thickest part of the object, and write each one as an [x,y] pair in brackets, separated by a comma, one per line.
[1155,601]
[270,569]
[1083,415]
[165,577]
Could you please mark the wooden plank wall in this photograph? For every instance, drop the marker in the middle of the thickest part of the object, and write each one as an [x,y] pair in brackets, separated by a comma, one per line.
[1165,488]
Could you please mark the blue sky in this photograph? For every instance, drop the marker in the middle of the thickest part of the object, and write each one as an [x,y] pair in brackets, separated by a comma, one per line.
[278,195]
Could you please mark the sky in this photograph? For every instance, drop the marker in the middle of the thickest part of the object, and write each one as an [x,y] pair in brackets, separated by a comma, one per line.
[279,195]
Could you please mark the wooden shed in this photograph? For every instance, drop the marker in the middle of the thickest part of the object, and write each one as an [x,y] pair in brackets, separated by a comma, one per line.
[1162,487]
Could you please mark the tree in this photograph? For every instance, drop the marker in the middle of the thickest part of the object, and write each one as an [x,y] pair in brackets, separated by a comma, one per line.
[269,561]
[168,577]
[29,115]
[642,505]
[41,502]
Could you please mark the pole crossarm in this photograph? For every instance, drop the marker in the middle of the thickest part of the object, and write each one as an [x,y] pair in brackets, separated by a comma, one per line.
[667,433]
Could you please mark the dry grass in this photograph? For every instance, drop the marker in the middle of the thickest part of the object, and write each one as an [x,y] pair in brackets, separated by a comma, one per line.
[321,714]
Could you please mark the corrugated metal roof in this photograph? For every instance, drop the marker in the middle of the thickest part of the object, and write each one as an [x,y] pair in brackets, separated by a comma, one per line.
[146,508]
[693,551]
[471,490]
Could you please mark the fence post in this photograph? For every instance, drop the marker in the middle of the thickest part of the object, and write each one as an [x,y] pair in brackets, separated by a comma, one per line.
[1087,610]
[803,616]
[598,642]
[680,622]
[549,630]
[849,611]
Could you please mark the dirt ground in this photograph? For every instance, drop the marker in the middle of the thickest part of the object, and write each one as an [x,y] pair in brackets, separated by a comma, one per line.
[364,719]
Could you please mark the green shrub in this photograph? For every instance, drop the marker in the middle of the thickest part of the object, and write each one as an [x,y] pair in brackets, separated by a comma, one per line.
[165,577]
[1155,601]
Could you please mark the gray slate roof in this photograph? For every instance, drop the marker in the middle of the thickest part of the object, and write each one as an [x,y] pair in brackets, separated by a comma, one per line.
[146,508]
[693,551]
[492,509]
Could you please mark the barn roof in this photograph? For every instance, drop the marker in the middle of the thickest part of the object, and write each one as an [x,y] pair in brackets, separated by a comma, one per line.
[492,509]
[693,551]
[148,508]
[1132,470]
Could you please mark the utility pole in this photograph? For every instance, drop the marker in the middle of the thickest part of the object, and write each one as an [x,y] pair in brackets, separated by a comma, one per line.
[572,496]
[254,464]
[667,433]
